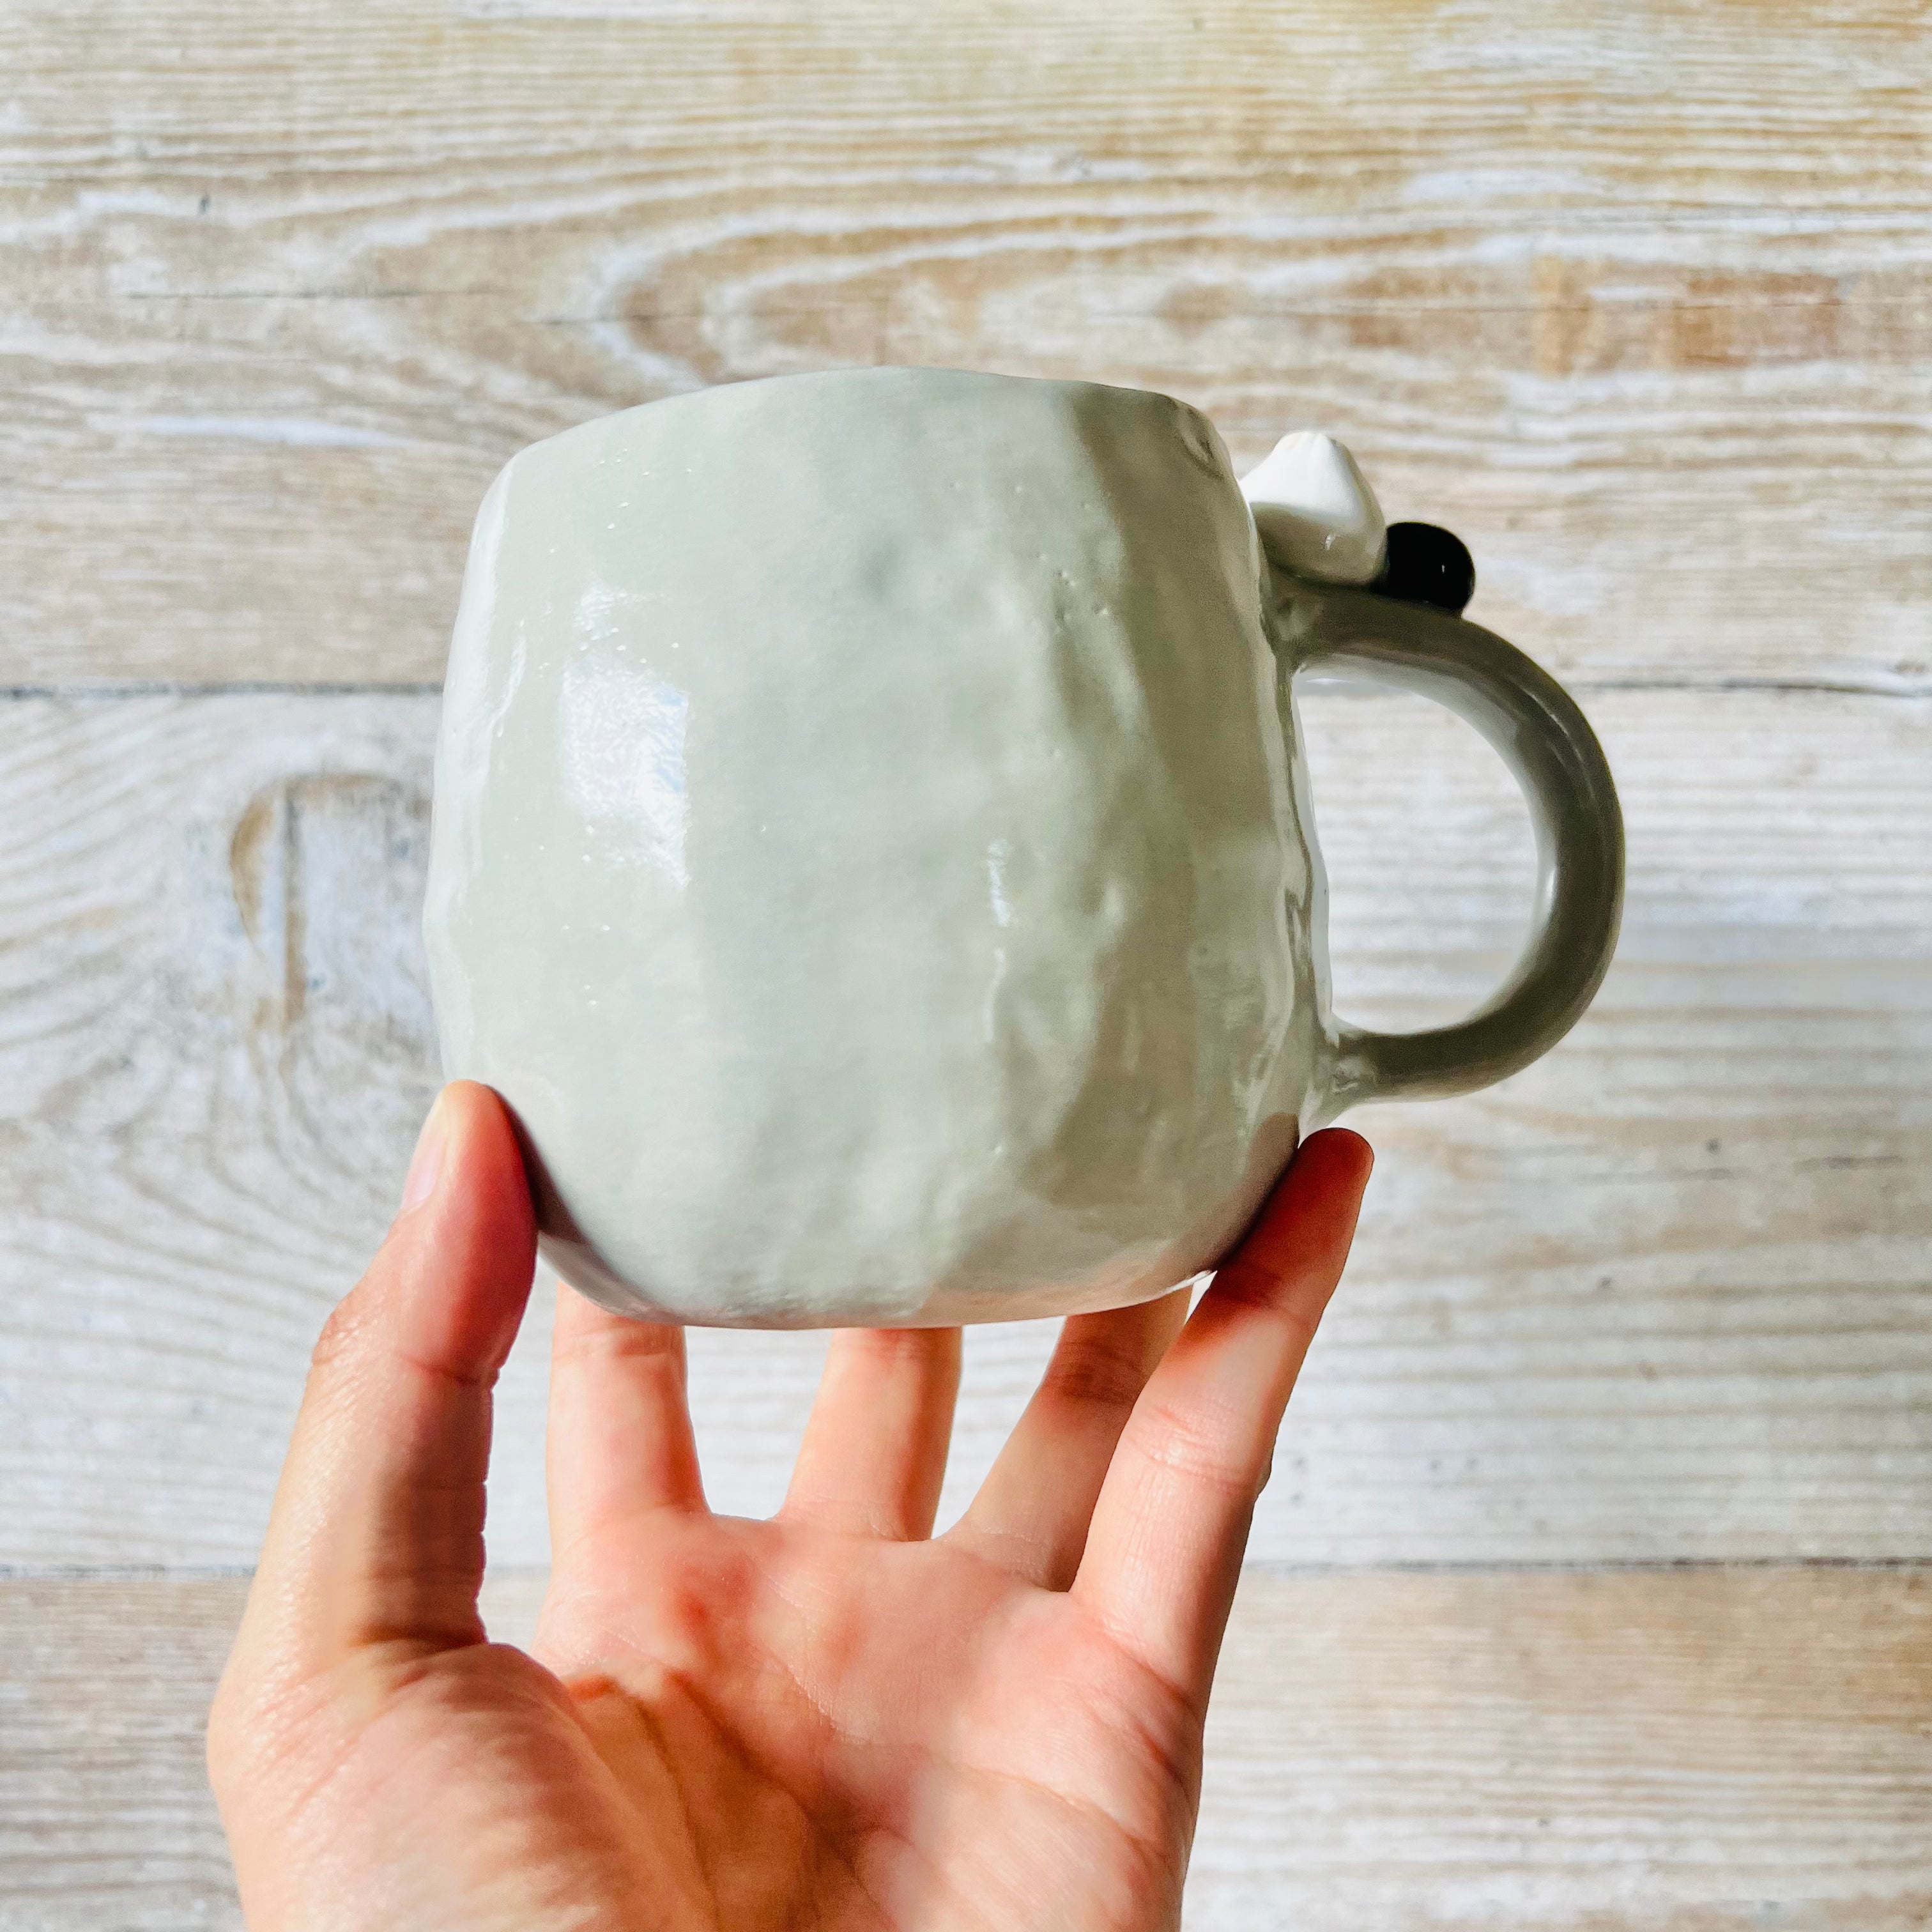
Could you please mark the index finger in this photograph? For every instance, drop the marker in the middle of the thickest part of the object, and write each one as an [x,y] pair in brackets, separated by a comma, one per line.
[1164,1551]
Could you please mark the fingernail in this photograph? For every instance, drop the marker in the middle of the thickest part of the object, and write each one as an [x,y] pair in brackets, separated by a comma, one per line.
[426,1163]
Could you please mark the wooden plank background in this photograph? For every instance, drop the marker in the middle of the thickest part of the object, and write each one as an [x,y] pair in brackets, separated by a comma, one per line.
[1591,1589]
[1726,1750]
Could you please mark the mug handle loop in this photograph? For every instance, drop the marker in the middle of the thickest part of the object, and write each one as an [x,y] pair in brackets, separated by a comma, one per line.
[1544,739]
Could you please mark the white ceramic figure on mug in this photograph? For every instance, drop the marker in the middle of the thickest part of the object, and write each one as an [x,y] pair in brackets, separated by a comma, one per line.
[872,854]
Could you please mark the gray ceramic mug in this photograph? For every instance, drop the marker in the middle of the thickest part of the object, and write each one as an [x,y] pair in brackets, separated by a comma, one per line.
[872,855]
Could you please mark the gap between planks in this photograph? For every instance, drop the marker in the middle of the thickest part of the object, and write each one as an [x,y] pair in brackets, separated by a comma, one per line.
[1727,1749]
[1661,1295]
[1907,689]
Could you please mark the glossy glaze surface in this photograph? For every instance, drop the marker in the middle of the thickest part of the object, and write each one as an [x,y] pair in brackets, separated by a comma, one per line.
[1316,514]
[871,854]
[864,853]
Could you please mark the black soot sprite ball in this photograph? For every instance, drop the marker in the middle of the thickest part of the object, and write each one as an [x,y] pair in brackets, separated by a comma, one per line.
[1427,565]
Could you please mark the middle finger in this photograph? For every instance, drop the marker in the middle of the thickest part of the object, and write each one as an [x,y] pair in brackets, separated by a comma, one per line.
[874,1456]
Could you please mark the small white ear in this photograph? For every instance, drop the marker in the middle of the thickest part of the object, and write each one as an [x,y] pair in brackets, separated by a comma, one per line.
[1316,512]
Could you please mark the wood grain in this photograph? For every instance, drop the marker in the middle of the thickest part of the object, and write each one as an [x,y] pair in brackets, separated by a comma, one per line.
[1663,1295]
[1640,304]
[1639,1751]
[1719,1752]
[1639,300]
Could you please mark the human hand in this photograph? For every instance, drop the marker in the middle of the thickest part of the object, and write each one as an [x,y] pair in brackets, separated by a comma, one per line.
[831,1719]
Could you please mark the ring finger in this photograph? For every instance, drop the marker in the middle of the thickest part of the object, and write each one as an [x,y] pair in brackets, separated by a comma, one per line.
[1032,1511]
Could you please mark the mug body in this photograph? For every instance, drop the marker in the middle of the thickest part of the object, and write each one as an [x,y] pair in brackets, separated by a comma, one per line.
[866,855]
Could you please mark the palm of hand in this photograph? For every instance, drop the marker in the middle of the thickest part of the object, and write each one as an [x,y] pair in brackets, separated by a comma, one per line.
[831,1719]
[795,1736]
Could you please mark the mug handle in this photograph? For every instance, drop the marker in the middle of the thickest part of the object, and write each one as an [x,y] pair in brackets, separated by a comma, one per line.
[1544,738]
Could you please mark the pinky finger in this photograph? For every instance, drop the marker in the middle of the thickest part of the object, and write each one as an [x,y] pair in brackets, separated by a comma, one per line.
[1164,1552]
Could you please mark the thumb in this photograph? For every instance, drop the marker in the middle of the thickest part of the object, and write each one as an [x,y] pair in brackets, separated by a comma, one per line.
[376,1534]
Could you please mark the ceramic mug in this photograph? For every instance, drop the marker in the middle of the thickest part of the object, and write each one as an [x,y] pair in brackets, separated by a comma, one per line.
[872,854]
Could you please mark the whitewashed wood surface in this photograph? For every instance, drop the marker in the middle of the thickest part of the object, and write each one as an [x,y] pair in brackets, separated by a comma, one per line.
[1640,300]
[1706,1750]
[1637,298]
[1663,1297]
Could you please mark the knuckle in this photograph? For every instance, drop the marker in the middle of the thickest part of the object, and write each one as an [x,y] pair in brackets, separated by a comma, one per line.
[279,1718]
[891,1348]
[1100,1375]
[1244,1283]
[241,1712]
[344,1333]
[1199,1448]
[633,1342]
[1244,1289]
